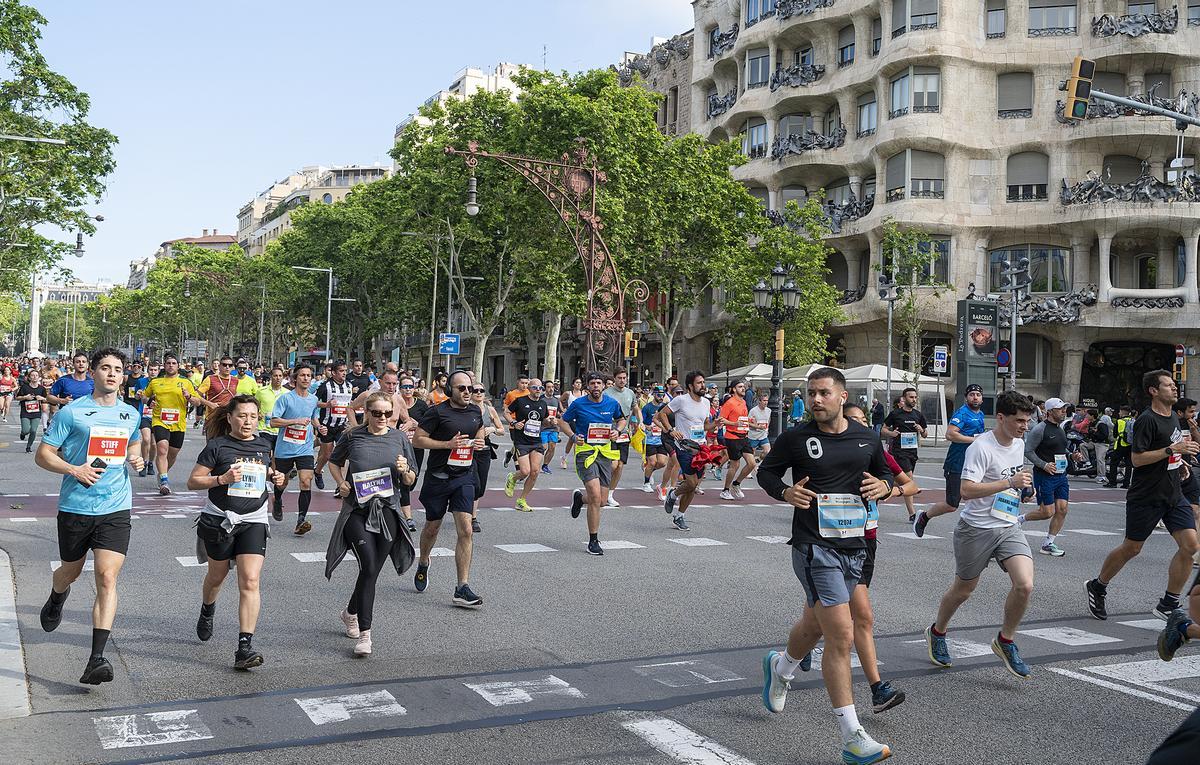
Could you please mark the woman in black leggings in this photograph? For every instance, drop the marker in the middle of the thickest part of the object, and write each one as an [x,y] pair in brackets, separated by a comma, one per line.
[370,463]
[31,396]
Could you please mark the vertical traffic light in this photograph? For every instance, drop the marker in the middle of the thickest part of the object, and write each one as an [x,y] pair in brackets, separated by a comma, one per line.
[1079,88]
[628,344]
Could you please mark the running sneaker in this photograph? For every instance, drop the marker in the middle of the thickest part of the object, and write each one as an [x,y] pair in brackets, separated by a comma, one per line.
[546,469]
[775,685]
[150,469]
[351,622]
[510,483]
[465,597]
[884,697]
[737,492]
[562,463]
[912,519]
[662,494]
[647,487]
[612,501]
[1049,548]
[421,580]
[164,487]
[576,503]
[594,548]
[411,524]
[728,495]
[319,479]
[669,501]
[142,472]
[98,671]
[680,523]
[277,509]
[523,506]
[1096,593]
[363,646]
[1173,637]
[52,612]
[861,749]
[508,455]
[699,490]
[204,625]
[806,662]
[1011,657]
[939,653]
[475,527]
[1165,608]
[920,523]
[247,658]
[302,528]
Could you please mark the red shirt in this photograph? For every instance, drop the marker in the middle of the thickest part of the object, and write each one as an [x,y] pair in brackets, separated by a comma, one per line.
[735,411]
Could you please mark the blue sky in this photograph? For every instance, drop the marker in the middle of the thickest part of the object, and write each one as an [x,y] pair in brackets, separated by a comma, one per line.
[214,100]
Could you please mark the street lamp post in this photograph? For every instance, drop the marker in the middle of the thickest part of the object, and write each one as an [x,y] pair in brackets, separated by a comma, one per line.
[777,303]
[889,293]
[328,306]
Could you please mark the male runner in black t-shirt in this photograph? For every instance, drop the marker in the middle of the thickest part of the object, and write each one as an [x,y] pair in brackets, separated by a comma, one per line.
[1158,446]
[530,416]
[836,464]
[904,426]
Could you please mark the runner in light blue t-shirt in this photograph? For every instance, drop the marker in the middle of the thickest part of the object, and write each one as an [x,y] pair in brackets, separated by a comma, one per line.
[295,415]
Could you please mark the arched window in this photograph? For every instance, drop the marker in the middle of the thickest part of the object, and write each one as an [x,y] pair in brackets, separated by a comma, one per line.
[754,138]
[1048,267]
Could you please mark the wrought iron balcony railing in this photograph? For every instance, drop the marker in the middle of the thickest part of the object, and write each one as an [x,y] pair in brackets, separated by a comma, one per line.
[796,76]
[1136,24]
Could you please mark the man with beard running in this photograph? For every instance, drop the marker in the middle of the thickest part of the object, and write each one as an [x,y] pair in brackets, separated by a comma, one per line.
[530,417]
[333,401]
[620,392]
[966,424]
[693,421]
[1047,449]
[905,427]
[592,422]
[170,395]
[295,415]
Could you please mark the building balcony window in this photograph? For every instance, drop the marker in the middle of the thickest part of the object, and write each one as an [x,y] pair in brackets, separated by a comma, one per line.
[876,45]
[894,113]
[1054,32]
[897,32]
[809,140]
[720,43]
[995,35]
[894,195]
[926,109]
[1028,192]
[843,61]
[753,85]
[757,151]
[788,8]
[928,188]
[720,104]
[1145,188]
[1014,114]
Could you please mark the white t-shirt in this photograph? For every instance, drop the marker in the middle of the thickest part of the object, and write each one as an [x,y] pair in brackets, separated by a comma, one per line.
[986,460]
[690,416]
[759,414]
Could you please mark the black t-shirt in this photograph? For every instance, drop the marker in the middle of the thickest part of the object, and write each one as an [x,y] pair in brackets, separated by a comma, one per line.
[1054,442]
[531,413]
[370,464]
[905,422]
[442,422]
[361,383]
[834,464]
[219,454]
[326,415]
[129,390]
[1156,483]
[25,389]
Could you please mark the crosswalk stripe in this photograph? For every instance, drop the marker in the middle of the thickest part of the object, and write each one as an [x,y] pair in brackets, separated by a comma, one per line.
[525,548]
[681,743]
[309,557]
[189,561]
[770,540]
[621,544]
[911,535]
[696,541]
[1069,636]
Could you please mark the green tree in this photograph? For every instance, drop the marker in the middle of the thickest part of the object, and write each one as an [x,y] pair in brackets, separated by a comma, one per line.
[910,257]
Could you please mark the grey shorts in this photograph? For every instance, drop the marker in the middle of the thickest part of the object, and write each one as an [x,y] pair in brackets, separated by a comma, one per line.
[828,575]
[974,547]
[600,469]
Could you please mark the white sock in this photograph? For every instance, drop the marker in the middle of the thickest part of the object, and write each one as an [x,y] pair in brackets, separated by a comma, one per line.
[676,514]
[785,665]
[1021,519]
[847,721]
[1049,539]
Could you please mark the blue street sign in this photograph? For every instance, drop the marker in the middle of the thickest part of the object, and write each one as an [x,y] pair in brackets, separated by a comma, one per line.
[448,343]
[1003,357]
[139,350]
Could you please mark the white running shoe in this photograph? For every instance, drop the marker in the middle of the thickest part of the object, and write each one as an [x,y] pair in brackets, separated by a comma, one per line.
[612,501]
[737,492]
[363,646]
[647,487]
[351,622]
[699,490]
[861,749]
[729,495]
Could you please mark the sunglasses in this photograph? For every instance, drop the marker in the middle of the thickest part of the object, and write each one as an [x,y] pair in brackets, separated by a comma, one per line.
[478,390]
[226,365]
[536,387]
[406,387]
[380,412]
[462,388]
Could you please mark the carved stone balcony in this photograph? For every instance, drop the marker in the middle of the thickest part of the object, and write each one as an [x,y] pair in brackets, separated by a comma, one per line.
[720,104]
[1015,114]
[722,42]
[809,140]
[1145,188]
[796,76]
[1054,32]
[1136,24]
[835,214]
[786,9]
[853,295]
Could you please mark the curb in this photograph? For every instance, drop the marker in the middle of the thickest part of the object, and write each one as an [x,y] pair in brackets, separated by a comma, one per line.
[14,687]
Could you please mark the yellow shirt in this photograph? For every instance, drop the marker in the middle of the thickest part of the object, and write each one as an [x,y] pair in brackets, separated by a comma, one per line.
[170,398]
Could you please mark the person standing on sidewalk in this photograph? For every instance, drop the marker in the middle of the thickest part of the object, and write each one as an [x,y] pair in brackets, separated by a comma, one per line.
[1121,450]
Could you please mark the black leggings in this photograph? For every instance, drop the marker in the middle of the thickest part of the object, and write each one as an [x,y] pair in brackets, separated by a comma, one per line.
[372,552]
[483,464]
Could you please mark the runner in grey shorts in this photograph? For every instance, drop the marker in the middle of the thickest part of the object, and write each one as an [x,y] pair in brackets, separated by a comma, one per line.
[828,575]
[974,547]
[600,468]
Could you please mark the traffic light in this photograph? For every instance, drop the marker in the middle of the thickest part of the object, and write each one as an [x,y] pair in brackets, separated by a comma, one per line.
[633,347]
[1079,88]
[628,343]
[888,291]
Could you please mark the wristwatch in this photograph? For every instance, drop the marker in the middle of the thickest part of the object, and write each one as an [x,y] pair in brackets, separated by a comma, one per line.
[1170,450]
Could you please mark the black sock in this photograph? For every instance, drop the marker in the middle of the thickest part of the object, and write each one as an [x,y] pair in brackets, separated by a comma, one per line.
[737,483]
[593,537]
[99,639]
[1171,597]
[208,609]
[305,498]
[57,598]
[876,685]
[244,639]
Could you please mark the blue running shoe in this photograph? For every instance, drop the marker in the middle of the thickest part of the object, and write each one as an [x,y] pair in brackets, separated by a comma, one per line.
[884,697]
[861,749]
[775,686]
[1012,658]
[806,662]
[939,653]
[1172,637]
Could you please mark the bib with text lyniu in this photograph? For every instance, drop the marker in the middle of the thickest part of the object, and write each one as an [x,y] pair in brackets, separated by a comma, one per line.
[598,433]
[1006,505]
[339,404]
[461,457]
[253,483]
[1060,463]
[840,516]
[908,440]
[108,444]
[372,483]
[169,416]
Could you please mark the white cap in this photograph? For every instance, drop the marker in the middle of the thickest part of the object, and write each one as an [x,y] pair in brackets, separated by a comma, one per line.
[1055,403]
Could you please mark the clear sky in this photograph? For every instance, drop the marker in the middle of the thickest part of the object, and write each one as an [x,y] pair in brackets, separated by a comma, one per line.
[214,100]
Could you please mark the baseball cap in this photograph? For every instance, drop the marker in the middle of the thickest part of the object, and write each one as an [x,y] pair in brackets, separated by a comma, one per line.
[974,388]
[1055,403]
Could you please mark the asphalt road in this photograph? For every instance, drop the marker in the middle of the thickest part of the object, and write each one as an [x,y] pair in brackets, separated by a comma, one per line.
[649,654]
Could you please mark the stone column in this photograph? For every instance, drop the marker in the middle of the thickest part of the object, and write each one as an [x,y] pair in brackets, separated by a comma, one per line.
[982,269]
[1072,369]
[1081,262]
[1189,258]
[1165,266]
[774,199]
[1103,279]
[853,269]
[856,186]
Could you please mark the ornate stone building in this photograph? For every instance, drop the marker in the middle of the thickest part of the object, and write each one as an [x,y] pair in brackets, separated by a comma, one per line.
[946,114]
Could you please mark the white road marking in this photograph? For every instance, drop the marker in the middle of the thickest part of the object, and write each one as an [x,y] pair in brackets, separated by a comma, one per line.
[1094,532]
[962,649]
[504,693]
[189,561]
[23,520]
[437,552]
[696,541]
[1124,689]
[526,548]
[681,743]
[682,674]
[172,515]
[911,535]
[621,544]
[819,651]
[332,709]
[153,729]
[88,565]
[16,495]
[1151,674]
[1154,625]
[770,540]
[309,557]
[1069,636]
[14,688]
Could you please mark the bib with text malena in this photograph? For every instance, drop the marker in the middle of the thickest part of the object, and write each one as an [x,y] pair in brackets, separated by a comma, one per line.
[108,444]
[372,483]
[1006,505]
[253,484]
[840,516]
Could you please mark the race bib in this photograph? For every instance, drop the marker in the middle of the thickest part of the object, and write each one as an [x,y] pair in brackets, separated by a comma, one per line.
[551,411]
[742,426]
[295,434]
[872,515]
[461,457]
[761,424]
[253,484]
[697,434]
[598,433]
[339,404]
[168,416]
[841,516]
[1006,505]
[33,406]
[372,483]
[1060,463]
[908,440]
[622,437]
[533,428]
[654,436]
[108,444]
[1175,460]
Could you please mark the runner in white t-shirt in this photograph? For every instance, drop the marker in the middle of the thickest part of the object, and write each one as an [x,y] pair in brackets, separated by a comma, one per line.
[760,426]
[692,421]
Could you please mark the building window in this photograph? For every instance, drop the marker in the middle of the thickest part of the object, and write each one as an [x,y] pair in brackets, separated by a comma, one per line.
[1193,13]
[796,124]
[797,194]
[754,138]
[757,10]
[1047,267]
[900,96]
[896,177]
[1140,6]
[1014,95]
[938,270]
[838,191]
[928,171]
[1119,169]
[846,46]
[762,195]
[997,18]
[758,68]
[1032,357]
[327,198]
[1159,84]
[926,84]
[868,115]
[923,14]
[803,56]
[1109,82]
[673,99]
[1052,17]
[877,36]
[833,121]
[899,17]
[1147,271]
[1028,177]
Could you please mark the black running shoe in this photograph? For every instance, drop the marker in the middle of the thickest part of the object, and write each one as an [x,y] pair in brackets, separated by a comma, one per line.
[421,580]
[320,481]
[98,671]
[302,528]
[884,697]
[594,548]
[52,612]
[465,597]
[920,523]
[508,455]
[204,625]
[576,503]
[246,658]
[1096,593]
[277,509]
[475,527]
[1165,608]
[412,525]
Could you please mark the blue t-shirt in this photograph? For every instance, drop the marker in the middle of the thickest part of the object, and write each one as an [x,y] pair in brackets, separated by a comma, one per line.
[69,386]
[584,412]
[648,412]
[86,432]
[969,423]
[295,440]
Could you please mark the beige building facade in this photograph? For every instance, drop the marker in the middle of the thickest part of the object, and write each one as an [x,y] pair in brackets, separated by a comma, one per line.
[467,82]
[945,115]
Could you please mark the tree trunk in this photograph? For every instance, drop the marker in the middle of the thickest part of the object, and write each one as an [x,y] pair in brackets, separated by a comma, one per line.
[377,344]
[482,335]
[552,334]
[532,331]
[667,333]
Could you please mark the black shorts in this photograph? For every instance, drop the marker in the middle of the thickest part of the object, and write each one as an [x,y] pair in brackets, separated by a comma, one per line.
[303,462]
[657,449]
[869,565]
[78,533]
[442,495]
[1140,520]
[173,437]
[622,449]
[246,539]
[332,432]
[523,449]
[907,462]
[1191,488]
[736,447]
[953,488]
[145,423]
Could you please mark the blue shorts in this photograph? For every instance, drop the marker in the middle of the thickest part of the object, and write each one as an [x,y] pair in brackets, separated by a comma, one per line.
[549,436]
[1050,487]
[758,443]
[685,464]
